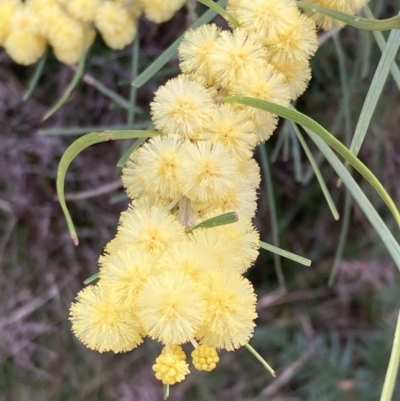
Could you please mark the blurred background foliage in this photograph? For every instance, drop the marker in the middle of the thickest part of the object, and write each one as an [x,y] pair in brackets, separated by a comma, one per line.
[325,343]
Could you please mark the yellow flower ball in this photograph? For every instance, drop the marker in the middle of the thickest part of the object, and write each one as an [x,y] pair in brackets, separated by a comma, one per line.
[207,172]
[83,10]
[151,228]
[7,10]
[152,169]
[264,18]
[102,323]
[125,272]
[170,308]
[25,48]
[230,311]
[194,51]
[160,11]
[182,106]
[116,25]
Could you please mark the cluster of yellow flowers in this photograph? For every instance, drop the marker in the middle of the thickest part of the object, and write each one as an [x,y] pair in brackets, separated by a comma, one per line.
[69,26]
[161,276]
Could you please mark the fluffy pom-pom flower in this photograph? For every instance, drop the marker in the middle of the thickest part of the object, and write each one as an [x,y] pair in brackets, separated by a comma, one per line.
[153,167]
[170,308]
[102,323]
[160,11]
[297,76]
[194,51]
[250,171]
[171,366]
[230,311]
[7,10]
[344,6]
[152,229]
[243,243]
[207,171]
[116,24]
[48,11]
[266,84]
[84,10]
[264,18]
[190,258]
[232,54]
[296,44]
[24,47]
[125,272]
[26,19]
[230,127]
[67,36]
[182,107]
[205,358]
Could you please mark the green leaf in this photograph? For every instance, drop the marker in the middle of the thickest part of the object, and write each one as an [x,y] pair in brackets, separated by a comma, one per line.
[36,76]
[221,220]
[380,40]
[358,22]
[318,174]
[77,147]
[92,278]
[125,157]
[394,363]
[266,170]
[260,359]
[375,90]
[74,82]
[307,122]
[219,10]
[285,254]
[163,59]
[369,211]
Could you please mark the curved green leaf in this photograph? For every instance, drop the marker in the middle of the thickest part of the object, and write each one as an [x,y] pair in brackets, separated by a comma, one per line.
[369,211]
[394,363]
[375,90]
[358,22]
[307,122]
[74,149]
[219,10]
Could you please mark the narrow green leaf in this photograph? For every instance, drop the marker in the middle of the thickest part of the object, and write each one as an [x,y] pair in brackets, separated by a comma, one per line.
[380,40]
[353,20]
[394,363]
[163,59]
[74,82]
[318,174]
[260,359]
[375,90]
[92,278]
[133,90]
[307,122]
[85,130]
[77,147]
[358,195]
[125,157]
[265,168]
[221,220]
[221,11]
[285,254]
[36,76]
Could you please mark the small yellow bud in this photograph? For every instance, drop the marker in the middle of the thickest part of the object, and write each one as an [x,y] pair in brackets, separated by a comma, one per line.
[171,366]
[205,358]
